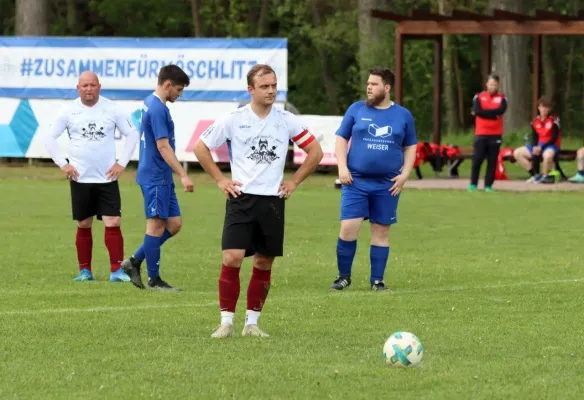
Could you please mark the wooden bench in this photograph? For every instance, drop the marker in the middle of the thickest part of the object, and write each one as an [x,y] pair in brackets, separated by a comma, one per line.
[565,155]
[466,154]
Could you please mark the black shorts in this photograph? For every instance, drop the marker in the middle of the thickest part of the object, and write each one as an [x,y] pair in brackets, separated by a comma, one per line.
[254,223]
[89,199]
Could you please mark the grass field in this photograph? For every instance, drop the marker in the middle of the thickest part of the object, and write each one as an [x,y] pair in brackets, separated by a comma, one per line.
[491,283]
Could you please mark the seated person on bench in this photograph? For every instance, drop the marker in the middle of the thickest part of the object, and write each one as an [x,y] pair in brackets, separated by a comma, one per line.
[579,177]
[545,144]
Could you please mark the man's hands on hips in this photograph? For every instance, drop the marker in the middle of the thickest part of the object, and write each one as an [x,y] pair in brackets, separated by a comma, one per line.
[229,187]
[398,183]
[345,176]
[286,189]
[114,172]
[70,172]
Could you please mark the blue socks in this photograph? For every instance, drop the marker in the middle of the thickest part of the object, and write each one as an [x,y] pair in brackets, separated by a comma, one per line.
[345,255]
[152,250]
[378,256]
[140,254]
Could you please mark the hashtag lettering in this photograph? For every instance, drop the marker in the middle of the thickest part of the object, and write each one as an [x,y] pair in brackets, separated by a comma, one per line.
[26,67]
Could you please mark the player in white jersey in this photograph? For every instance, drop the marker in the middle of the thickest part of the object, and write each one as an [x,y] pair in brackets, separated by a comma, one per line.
[92,169]
[258,136]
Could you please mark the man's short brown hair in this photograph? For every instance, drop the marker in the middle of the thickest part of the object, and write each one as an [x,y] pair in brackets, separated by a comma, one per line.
[494,77]
[258,70]
[174,74]
[387,76]
[545,101]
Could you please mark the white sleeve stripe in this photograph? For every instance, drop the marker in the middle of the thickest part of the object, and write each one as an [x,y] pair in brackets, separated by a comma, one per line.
[301,137]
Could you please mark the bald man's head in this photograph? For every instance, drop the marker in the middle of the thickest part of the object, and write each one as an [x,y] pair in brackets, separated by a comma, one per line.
[88,75]
[88,88]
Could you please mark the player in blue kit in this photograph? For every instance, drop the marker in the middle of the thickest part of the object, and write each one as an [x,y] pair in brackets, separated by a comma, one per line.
[372,172]
[156,163]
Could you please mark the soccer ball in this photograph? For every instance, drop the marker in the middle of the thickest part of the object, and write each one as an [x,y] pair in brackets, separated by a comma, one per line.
[403,349]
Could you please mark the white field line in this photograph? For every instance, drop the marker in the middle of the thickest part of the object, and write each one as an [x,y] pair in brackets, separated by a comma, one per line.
[106,309]
[140,307]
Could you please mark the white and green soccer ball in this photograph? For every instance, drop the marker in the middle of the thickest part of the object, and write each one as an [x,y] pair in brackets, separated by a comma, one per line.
[403,349]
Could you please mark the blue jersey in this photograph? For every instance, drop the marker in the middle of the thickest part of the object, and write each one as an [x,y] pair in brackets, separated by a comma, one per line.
[156,124]
[378,138]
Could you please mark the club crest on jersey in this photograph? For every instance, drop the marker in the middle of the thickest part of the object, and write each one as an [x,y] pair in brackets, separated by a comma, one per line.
[92,132]
[380,131]
[263,152]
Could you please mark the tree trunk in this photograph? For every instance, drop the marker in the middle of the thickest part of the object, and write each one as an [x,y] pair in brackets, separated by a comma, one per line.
[72,23]
[511,63]
[196,12]
[330,87]
[548,67]
[368,37]
[459,92]
[32,18]
[566,114]
[261,23]
[450,104]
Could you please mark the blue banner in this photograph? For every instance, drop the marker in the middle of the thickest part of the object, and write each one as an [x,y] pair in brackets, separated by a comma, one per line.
[47,67]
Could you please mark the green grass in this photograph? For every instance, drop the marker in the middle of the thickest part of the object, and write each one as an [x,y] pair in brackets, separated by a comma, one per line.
[491,283]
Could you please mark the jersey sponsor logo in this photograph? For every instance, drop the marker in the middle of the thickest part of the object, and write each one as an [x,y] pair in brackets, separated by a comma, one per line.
[375,146]
[380,131]
[264,151]
[244,126]
[92,132]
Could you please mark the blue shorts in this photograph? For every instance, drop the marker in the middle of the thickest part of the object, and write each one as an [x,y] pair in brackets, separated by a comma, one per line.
[553,147]
[160,201]
[369,199]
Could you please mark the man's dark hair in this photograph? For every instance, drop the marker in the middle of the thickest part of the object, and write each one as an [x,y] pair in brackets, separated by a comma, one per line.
[494,77]
[386,75]
[545,101]
[174,74]
[258,70]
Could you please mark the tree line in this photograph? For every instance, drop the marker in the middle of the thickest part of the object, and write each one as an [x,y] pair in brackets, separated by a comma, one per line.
[332,44]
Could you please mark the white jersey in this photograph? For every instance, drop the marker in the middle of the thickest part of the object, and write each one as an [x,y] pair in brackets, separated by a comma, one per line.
[258,147]
[92,149]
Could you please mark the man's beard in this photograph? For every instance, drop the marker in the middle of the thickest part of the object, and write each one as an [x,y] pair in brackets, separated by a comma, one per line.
[89,102]
[376,100]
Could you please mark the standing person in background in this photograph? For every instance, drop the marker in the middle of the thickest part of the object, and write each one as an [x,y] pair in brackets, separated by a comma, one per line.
[93,170]
[488,109]
[157,162]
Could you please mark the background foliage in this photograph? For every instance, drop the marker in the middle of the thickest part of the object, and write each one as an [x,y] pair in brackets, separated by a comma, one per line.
[333,43]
